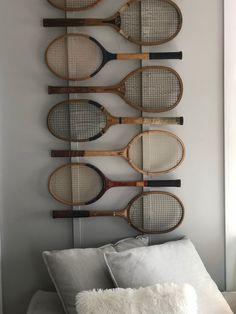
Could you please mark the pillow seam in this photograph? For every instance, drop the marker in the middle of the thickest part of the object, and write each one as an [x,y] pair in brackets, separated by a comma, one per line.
[110,271]
[55,283]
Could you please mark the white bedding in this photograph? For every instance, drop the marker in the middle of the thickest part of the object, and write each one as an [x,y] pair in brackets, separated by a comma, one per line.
[49,303]
[45,303]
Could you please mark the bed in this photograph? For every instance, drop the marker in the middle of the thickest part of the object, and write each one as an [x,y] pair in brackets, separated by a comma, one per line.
[49,303]
[115,265]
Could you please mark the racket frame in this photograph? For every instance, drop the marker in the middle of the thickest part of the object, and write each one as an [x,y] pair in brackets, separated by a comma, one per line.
[109,56]
[71,9]
[119,89]
[115,22]
[110,120]
[108,184]
[123,213]
[125,153]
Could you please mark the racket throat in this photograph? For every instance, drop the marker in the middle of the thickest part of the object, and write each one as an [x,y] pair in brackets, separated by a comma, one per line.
[115,22]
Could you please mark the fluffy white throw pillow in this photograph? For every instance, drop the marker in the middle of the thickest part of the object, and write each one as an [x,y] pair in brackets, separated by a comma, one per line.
[161,299]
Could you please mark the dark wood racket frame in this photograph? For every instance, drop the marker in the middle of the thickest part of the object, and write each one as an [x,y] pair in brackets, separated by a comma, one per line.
[115,22]
[122,153]
[111,120]
[108,184]
[78,9]
[124,213]
[119,89]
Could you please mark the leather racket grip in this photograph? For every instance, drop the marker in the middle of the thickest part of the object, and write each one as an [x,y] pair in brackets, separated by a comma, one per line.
[165,55]
[66,153]
[164,183]
[70,213]
[62,22]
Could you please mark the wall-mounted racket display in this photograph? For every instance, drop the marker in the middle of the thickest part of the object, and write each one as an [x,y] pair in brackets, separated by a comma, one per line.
[82,120]
[73,5]
[150,212]
[144,22]
[78,57]
[149,89]
[82,184]
[150,152]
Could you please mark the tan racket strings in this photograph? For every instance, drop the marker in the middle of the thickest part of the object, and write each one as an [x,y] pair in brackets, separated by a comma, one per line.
[83,184]
[73,5]
[163,152]
[83,120]
[78,57]
[144,22]
[150,212]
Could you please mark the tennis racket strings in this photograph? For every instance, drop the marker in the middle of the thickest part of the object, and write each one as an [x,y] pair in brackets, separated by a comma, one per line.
[155,213]
[150,21]
[153,89]
[73,5]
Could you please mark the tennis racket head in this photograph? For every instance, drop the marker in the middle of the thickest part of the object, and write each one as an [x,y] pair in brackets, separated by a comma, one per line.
[150,22]
[155,152]
[152,89]
[75,56]
[73,5]
[77,184]
[155,212]
[78,120]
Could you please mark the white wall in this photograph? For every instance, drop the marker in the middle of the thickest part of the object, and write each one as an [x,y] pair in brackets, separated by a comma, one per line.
[25,203]
[25,163]
[230,146]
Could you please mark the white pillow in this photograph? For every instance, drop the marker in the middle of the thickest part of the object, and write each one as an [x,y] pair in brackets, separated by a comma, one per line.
[175,261]
[161,299]
[83,269]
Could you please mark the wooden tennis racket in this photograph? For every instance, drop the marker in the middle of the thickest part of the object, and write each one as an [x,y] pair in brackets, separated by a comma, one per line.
[163,152]
[144,22]
[149,212]
[78,57]
[82,120]
[73,5]
[148,89]
[82,184]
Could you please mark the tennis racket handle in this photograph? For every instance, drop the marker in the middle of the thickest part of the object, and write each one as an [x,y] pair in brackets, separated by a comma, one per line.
[67,153]
[165,55]
[163,183]
[153,121]
[71,22]
[85,213]
[82,153]
[79,89]
[70,213]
